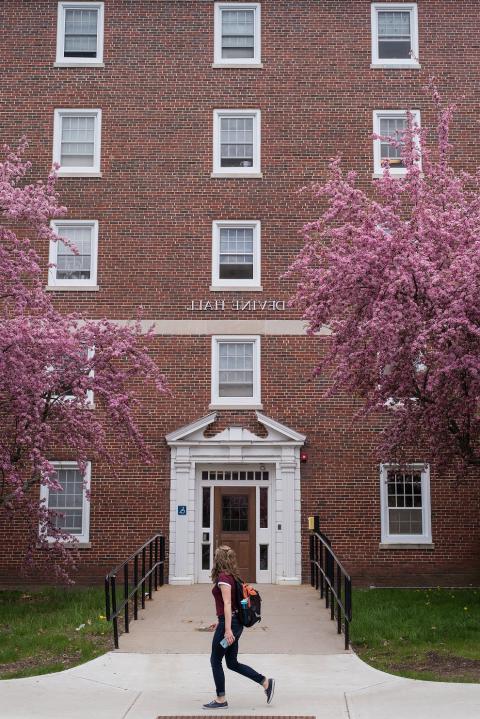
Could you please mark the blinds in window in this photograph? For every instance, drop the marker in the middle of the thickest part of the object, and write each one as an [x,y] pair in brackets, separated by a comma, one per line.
[81,32]
[78,141]
[392,127]
[236,369]
[236,138]
[71,266]
[238,33]
[394,35]
[69,502]
[236,253]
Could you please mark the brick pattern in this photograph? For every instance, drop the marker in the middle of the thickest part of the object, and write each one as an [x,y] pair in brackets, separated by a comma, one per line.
[155,205]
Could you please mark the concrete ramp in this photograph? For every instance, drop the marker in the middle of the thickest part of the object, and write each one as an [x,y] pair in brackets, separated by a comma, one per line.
[294,621]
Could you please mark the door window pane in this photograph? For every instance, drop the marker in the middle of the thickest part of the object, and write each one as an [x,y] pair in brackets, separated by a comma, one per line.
[81,32]
[236,142]
[394,35]
[392,127]
[236,253]
[235,369]
[263,507]
[205,556]
[263,556]
[206,507]
[72,266]
[78,141]
[235,513]
[238,33]
[404,497]
[69,502]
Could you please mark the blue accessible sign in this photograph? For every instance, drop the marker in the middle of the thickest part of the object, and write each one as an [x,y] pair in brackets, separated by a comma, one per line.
[182,509]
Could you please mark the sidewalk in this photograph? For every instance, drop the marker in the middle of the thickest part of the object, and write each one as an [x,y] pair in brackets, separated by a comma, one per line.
[146,682]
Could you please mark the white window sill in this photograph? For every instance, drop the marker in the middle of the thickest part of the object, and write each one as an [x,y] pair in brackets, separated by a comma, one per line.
[235,406]
[406,545]
[239,66]
[72,288]
[395,66]
[237,174]
[64,173]
[379,175]
[78,64]
[235,288]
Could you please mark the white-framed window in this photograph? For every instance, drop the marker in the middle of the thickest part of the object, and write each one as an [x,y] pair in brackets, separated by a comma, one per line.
[394,34]
[405,504]
[71,504]
[237,35]
[236,143]
[390,123]
[69,269]
[80,33]
[236,371]
[61,394]
[236,254]
[76,142]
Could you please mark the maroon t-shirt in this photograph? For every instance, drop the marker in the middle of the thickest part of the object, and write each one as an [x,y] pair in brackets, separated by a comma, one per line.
[224,578]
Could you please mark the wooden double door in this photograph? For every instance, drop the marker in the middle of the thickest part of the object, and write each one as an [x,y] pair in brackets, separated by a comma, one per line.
[235,523]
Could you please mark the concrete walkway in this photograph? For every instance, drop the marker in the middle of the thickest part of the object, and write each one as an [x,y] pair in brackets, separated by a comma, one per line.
[168,672]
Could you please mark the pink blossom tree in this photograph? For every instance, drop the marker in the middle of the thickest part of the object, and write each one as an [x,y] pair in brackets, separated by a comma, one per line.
[51,364]
[395,274]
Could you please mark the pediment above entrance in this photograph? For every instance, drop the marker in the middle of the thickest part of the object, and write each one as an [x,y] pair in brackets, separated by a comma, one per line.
[194,433]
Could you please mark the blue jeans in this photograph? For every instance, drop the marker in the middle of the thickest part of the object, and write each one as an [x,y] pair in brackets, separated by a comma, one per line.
[230,654]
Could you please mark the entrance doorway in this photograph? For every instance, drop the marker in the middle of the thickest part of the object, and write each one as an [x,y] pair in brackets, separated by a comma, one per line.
[234,524]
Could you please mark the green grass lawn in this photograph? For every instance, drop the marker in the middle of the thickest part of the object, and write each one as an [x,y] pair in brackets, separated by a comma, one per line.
[419,633]
[41,631]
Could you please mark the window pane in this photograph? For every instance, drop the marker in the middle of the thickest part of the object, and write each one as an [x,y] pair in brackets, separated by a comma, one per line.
[236,253]
[68,502]
[263,507]
[81,32]
[238,33]
[404,491]
[78,141]
[394,35]
[235,369]
[235,513]
[236,142]
[392,127]
[72,266]
[206,507]
[264,556]
[205,556]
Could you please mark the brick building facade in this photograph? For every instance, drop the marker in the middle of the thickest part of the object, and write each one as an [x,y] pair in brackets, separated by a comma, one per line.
[184,130]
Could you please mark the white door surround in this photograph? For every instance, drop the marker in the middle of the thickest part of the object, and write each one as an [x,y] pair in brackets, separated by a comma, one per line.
[191,450]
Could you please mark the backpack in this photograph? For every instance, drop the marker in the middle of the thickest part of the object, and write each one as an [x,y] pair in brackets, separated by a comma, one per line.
[251,613]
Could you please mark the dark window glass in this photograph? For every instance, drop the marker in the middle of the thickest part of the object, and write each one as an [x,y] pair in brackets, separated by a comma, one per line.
[205,506]
[204,475]
[236,253]
[263,507]
[235,513]
[205,556]
[394,35]
[404,492]
[264,556]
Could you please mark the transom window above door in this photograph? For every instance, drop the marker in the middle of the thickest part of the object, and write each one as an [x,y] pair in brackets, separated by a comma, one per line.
[237,35]
[236,143]
[236,255]
[80,33]
[394,34]
[236,372]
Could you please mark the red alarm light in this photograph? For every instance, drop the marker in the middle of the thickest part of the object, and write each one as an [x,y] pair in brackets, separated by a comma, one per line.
[303,455]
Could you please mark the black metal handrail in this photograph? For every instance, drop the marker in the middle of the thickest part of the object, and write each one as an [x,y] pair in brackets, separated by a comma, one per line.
[328,575]
[154,573]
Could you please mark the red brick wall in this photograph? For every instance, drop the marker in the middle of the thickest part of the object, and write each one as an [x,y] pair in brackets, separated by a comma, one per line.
[155,204]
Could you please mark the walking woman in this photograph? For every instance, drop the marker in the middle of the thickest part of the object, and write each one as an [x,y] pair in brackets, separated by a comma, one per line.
[224,572]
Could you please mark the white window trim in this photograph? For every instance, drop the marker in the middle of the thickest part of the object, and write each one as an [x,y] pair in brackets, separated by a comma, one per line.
[426,536]
[413,61]
[236,402]
[57,225]
[218,170]
[377,160]
[236,62]
[61,60]
[235,284]
[93,171]
[84,537]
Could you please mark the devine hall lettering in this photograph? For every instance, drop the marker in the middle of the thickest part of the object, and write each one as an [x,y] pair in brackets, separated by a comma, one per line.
[236,305]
